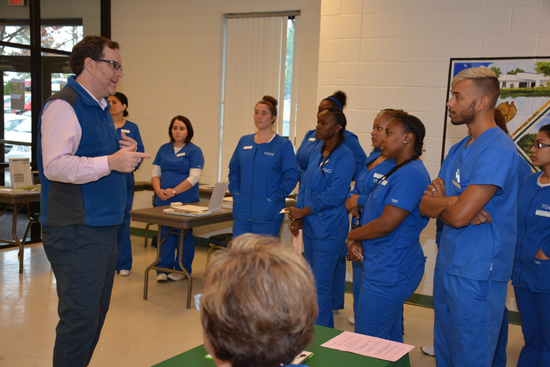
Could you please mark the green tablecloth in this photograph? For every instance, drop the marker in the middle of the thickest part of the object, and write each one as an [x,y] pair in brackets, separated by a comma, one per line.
[323,357]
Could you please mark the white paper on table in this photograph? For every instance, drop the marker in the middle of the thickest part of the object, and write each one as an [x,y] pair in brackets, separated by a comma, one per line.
[297,243]
[195,208]
[20,172]
[368,346]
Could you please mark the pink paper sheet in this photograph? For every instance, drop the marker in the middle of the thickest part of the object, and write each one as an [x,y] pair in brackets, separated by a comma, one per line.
[368,346]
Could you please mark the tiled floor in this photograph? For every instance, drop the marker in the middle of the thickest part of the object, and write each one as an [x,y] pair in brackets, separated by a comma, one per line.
[137,332]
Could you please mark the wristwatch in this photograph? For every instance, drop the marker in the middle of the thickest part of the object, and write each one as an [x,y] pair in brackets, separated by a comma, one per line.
[174,192]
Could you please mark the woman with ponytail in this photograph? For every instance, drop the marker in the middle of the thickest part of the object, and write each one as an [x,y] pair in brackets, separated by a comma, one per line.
[262,172]
[310,142]
[388,243]
[321,208]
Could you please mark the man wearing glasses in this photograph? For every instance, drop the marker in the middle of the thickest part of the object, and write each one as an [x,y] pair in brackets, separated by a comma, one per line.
[475,196]
[81,162]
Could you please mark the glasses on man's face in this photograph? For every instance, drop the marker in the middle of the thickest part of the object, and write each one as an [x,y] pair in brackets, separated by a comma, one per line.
[539,145]
[115,64]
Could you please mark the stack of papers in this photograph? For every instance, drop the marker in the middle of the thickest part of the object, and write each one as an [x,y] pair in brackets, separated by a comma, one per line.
[189,210]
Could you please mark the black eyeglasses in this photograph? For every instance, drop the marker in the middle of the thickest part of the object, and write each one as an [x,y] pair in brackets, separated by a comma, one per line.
[115,64]
[540,145]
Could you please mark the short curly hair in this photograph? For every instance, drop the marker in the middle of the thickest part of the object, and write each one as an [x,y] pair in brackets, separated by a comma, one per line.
[92,47]
[259,303]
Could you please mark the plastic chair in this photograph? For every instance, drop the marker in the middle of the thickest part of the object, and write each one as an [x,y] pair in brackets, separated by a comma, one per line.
[217,242]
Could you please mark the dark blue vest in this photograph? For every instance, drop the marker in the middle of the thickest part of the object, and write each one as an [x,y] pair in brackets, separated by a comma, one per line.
[97,203]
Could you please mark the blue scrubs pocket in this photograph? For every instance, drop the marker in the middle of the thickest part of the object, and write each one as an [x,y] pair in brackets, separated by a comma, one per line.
[542,276]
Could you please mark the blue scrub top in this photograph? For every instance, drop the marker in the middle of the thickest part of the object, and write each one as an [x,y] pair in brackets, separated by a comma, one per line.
[131,130]
[175,169]
[391,258]
[326,195]
[261,176]
[533,234]
[365,179]
[310,142]
[484,251]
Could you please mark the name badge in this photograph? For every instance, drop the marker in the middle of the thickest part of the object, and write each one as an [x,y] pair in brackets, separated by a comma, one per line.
[457,184]
[383,183]
[311,139]
[125,131]
[180,154]
[542,213]
[247,147]
[377,175]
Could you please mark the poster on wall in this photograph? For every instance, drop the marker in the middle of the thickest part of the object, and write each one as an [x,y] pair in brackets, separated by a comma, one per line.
[524,98]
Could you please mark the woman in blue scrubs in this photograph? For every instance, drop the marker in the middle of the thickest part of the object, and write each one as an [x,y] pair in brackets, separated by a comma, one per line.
[262,173]
[321,208]
[388,243]
[176,172]
[337,100]
[119,110]
[531,272]
[374,167]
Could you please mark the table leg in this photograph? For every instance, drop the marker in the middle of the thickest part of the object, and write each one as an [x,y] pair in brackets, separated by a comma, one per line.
[21,253]
[153,266]
[183,234]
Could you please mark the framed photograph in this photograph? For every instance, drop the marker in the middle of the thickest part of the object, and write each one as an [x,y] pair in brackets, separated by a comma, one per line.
[524,98]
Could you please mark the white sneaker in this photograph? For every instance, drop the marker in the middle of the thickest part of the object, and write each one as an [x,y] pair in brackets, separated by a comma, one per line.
[428,350]
[176,277]
[162,277]
[124,273]
[351,320]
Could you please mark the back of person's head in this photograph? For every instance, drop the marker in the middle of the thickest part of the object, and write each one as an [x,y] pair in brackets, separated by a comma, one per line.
[92,47]
[484,80]
[259,303]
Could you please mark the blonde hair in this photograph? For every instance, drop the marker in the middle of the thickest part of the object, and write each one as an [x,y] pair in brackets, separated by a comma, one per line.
[485,81]
[259,303]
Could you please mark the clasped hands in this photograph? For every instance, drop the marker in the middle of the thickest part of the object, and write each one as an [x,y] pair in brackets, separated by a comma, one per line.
[165,194]
[296,215]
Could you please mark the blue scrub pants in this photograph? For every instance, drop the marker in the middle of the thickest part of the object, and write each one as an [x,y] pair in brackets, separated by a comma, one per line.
[357,269]
[83,260]
[124,244]
[534,308]
[171,245]
[468,319]
[339,284]
[323,256]
[271,228]
[380,307]
[500,353]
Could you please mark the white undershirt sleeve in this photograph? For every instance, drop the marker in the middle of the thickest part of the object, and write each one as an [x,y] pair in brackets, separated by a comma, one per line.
[194,176]
[156,171]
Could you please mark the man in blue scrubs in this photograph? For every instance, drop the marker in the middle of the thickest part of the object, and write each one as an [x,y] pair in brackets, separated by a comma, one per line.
[475,196]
